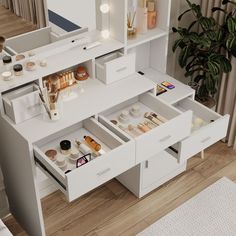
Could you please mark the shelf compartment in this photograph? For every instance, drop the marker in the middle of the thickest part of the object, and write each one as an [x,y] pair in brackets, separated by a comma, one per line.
[23,103]
[147,37]
[208,127]
[157,139]
[116,157]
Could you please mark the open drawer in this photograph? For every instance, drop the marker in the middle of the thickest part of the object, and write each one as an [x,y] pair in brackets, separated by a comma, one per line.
[208,127]
[177,125]
[115,157]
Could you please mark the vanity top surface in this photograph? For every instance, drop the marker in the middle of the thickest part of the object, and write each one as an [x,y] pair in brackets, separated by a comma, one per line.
[95,98]
[60,55]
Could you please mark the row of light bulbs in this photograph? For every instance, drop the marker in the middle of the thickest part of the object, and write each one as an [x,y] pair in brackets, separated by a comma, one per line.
[105,8]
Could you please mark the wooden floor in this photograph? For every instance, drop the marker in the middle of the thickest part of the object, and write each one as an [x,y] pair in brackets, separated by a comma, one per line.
[112,210]
[11,25]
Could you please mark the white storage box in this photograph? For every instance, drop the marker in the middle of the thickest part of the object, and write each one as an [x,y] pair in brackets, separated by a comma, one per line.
[114,67]
[23,103]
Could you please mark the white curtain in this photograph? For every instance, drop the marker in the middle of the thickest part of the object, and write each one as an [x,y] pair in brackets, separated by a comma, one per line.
[31,10]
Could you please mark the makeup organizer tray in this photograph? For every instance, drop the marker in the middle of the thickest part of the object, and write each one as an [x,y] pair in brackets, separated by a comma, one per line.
[130,126]
[201,116]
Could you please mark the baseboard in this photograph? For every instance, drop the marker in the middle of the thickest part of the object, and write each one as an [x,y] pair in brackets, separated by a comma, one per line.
[4,207]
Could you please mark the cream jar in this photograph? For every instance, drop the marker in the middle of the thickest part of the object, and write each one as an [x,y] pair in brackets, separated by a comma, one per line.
[18,69]
[7,75]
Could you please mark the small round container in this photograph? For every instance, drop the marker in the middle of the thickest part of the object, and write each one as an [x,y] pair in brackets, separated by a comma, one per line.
[51,154]
[135,111]
[18,69]
[20,57]
[7,75]
[61,163]
[31,53]
[65,146]
[73,157]
[6,60]
[43,63]
[30,66]
[124,116]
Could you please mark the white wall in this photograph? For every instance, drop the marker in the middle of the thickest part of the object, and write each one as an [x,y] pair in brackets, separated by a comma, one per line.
[80,12]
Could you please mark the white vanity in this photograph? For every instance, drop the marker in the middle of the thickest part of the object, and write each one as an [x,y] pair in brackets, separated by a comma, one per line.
[140,163]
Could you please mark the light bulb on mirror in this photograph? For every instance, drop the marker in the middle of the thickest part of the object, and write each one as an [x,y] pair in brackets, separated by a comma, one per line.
[104,8]
[105,34]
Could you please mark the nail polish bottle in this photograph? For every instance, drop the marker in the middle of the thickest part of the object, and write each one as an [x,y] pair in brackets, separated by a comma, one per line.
[152,15]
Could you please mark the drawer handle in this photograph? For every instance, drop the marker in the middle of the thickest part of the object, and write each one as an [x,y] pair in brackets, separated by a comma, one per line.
[165,138]
[103,172]
[205,140]
[121,69]
[146,164]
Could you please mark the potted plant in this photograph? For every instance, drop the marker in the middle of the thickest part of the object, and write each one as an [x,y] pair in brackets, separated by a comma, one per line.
[206,48]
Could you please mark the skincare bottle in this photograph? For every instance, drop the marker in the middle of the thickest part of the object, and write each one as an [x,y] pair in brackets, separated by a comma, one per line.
[142,17]
[152,15]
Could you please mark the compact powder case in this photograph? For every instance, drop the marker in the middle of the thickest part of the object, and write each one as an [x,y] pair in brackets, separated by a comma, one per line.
[65,146]
[51,154]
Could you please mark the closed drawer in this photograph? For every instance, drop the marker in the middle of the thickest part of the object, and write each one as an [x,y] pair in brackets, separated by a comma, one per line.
[208,127]
[116,156]
[176,127]
[22,104]
[114,67]
[157,168]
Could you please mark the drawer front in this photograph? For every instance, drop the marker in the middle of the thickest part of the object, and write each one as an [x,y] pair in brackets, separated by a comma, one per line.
[157,168]
[203,138]
[162,137]
[120,68]
[99,171]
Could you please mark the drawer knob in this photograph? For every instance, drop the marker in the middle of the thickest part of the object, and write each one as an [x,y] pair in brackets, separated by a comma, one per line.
[121,69]
[205,140]
[165,138]
[103,172]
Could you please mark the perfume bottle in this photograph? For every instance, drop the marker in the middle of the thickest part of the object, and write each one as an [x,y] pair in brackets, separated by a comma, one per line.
[142,17]
[152,15]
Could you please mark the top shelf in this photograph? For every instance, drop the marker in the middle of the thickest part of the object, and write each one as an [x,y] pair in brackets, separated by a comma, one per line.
[144,38]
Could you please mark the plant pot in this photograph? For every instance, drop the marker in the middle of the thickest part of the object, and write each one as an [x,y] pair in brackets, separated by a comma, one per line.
[207,101]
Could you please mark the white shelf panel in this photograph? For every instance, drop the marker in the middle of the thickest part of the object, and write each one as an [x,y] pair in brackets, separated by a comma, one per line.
[59,56]
[172,96]
[96,98]
[144,38]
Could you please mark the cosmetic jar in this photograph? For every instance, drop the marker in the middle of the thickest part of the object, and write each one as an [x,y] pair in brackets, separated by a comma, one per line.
[51,154]
[18,69]
[30,66]
[7,75]
[6,60]
[73,157]
[135,111]
[20,57]
[124,116]
[65,147]
[61,163]
[43,63]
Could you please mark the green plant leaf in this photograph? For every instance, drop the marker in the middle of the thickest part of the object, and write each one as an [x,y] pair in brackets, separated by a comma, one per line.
[183,56]
[206,23]
[180,16]
[224,2]
[203,92]
[231,42]
[210,84]
[231,24]
[176,44]
[225,64]
[214,67]
[198,78]
[214,9]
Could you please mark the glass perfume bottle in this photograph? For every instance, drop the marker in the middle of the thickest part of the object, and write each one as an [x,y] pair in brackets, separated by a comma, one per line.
[152,15]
